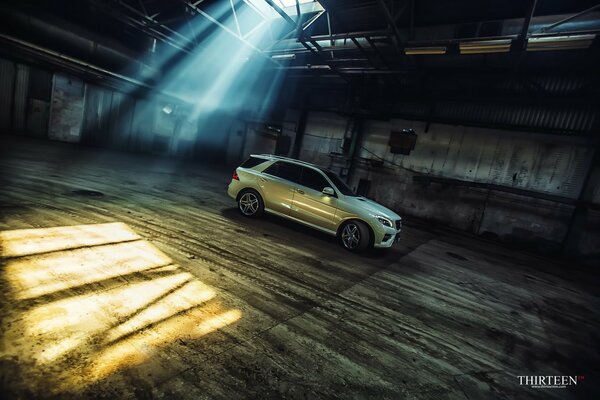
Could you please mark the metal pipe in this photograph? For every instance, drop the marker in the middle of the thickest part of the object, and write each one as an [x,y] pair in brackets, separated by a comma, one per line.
[76,61]
[562,21]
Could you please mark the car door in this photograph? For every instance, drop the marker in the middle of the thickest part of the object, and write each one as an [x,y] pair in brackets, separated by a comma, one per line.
[310,204]
[278,183]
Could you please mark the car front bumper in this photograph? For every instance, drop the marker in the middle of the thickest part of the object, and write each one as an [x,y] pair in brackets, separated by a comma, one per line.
[388,240]
[385,237]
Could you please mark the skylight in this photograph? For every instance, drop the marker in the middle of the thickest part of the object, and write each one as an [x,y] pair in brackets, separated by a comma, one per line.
[291,3]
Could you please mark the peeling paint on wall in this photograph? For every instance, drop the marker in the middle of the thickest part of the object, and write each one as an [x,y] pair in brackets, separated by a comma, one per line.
[66,109]
[522,160]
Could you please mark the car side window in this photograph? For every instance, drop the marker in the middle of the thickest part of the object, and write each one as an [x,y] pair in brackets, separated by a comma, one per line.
[284,170]
[252,162]
[313,179]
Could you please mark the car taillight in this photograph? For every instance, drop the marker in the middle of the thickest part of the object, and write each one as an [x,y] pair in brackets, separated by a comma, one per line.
[235,176]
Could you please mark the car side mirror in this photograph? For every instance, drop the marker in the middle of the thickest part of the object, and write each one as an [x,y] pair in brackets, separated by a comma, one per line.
[328,191]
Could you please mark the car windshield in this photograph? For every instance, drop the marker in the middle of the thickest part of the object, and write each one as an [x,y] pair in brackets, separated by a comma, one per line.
[339,184]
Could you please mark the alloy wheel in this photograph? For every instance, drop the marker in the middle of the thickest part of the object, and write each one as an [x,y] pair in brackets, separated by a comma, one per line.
[249,203]
[351,236]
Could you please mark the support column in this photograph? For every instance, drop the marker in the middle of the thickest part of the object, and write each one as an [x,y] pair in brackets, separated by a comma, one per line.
[300,133]
[579,226]
[355,147]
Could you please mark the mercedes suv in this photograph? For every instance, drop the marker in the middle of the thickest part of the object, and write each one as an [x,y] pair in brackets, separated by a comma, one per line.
[315,197]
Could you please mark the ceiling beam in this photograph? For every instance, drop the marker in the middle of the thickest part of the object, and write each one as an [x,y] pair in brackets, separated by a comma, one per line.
[391,22]
[293,23]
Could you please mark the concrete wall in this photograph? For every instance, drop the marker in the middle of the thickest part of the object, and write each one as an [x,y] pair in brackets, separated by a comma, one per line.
[548,164]
[245,138]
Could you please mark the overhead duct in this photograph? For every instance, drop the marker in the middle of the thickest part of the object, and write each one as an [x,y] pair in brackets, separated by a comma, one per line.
[82,45]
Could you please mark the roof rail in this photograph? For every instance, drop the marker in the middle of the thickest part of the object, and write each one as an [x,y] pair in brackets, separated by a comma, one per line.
[275,157]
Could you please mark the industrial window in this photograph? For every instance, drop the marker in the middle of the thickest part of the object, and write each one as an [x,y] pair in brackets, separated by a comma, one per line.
[313,179]
[284,170]
[291,3]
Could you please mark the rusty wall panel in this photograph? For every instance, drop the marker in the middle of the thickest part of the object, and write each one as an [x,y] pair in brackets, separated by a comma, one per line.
[20,97]
[7,81]
[66,109]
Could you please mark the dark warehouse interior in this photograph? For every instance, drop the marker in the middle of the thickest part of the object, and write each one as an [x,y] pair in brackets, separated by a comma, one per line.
[300,199]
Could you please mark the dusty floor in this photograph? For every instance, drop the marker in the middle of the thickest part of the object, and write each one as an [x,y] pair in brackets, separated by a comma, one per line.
[149,284]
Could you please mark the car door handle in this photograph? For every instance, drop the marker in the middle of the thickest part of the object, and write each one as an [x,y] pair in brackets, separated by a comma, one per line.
[300,191]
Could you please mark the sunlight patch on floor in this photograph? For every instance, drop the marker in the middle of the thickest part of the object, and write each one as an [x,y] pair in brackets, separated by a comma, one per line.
[44,274]
[112,302]
[23,242]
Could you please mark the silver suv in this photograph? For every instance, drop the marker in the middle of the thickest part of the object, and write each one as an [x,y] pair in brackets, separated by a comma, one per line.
[315,197]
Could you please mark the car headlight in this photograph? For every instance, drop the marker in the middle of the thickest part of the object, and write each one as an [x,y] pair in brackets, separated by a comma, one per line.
[384,221]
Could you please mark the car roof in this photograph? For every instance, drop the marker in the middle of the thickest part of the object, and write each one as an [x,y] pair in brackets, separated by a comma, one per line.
[292,160]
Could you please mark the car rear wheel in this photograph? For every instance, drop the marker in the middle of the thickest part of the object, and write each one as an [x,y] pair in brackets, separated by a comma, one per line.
[250,203]
[355,236]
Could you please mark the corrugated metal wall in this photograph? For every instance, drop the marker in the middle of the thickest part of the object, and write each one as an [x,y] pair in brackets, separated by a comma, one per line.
[506,102]
[7,81]
[20,97]
[64,108]
[555,119]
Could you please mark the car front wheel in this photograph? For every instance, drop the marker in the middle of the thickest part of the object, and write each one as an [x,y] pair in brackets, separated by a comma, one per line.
[250,203]
[355,236]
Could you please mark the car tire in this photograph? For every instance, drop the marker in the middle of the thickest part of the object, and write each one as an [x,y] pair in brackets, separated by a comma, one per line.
[250,203]
[355,236]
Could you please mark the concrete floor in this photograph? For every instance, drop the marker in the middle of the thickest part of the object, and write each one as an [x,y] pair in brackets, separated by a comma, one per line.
[153,286]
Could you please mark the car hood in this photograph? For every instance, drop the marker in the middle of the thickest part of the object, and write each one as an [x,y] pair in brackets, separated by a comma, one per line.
[372,207]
